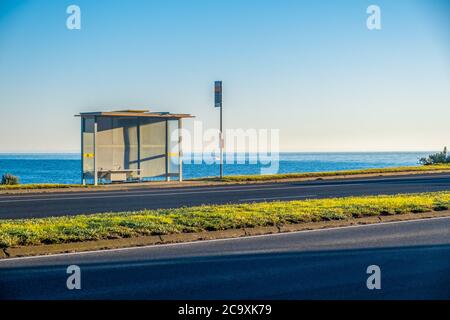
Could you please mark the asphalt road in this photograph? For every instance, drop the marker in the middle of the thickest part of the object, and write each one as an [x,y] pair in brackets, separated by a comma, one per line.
[413,256]
[70,203]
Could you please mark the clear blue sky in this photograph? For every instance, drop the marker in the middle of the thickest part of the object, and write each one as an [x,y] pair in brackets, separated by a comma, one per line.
[310,68]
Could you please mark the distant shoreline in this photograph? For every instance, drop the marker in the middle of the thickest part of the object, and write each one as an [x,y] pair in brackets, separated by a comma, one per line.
[281,152]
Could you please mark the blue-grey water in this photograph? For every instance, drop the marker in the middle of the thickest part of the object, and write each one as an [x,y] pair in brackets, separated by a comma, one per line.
[65,168]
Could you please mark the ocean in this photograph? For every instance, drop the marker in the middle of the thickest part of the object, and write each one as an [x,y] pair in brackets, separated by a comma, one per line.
[65,168]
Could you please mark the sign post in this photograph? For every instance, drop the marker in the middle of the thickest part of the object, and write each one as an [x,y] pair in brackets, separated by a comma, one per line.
[218,104]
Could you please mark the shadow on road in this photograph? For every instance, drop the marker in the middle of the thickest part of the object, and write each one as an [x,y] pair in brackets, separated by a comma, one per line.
[419,272]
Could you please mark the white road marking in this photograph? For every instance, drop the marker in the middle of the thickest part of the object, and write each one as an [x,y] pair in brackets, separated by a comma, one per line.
[248,187]
[148,194]
[200,242]
[131,191]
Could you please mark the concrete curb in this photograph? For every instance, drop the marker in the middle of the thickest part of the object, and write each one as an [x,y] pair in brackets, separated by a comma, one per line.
[207,235]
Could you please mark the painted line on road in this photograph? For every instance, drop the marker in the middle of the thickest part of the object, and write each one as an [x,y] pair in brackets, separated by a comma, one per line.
[177,193]
[200,242]
[275,198]
[338,182]
[309,183]
[134,191]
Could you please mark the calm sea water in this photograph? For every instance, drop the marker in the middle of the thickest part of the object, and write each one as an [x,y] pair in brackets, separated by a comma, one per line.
[65,168]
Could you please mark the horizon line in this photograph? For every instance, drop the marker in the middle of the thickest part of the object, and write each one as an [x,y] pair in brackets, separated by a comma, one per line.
[238,152]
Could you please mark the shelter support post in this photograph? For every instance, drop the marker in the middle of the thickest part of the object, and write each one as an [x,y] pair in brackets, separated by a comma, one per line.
[180,151]
[167,152]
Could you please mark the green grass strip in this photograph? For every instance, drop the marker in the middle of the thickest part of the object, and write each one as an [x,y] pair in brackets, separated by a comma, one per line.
[32,186]
[212,217]
[244,178]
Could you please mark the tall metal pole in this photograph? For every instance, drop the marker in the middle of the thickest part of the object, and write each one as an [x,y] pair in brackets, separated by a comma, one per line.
[221,144]
[218,104]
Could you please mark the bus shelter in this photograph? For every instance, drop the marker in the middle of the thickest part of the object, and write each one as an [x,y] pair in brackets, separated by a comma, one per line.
[131,145]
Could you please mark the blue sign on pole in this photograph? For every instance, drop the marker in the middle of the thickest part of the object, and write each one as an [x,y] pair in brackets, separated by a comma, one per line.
[218,94]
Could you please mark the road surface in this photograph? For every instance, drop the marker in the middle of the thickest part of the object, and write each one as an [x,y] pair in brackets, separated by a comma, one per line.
[70,203]
[414,258]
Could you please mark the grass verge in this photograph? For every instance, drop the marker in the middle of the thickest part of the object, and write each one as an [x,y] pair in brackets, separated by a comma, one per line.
[411,169]
[33,186]
[70,229]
